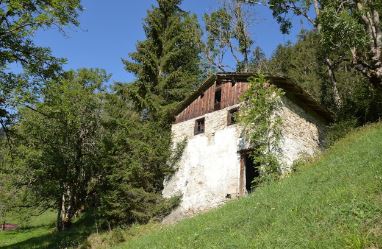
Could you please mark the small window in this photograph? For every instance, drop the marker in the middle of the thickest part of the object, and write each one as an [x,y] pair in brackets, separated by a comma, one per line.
[218,99]
[232,116]
[199,126]
[233,83]
[201,95]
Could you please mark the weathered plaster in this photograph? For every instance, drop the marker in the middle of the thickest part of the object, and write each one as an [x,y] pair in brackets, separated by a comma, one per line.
[209,171]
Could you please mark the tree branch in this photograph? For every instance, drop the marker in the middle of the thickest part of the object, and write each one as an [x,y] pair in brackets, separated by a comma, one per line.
[5,129]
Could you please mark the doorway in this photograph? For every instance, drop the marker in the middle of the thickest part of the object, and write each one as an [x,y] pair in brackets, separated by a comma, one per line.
[248,172]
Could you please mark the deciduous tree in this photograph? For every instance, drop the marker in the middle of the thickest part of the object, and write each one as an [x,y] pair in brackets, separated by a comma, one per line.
[57,153]
[19,21]
[227,31]
[303,63]
[348,29]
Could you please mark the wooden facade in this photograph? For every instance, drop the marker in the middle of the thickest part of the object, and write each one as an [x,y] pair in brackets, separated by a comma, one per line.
[228,87]
[230,93]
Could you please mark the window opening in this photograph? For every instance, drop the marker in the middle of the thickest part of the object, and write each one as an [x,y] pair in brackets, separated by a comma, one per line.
[218,99]
[232,116]
[199,126]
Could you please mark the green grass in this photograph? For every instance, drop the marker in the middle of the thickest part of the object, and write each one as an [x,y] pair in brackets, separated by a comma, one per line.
[40,233]
[37,227]
[333,202]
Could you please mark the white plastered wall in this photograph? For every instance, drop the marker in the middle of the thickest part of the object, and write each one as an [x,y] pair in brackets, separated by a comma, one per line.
[208,173]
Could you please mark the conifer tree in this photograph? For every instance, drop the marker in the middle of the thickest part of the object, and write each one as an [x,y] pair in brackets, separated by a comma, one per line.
[166,64]
[138,144]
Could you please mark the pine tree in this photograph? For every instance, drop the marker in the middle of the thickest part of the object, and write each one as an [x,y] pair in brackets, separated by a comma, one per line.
[138,144]
[167,63]
[135,163]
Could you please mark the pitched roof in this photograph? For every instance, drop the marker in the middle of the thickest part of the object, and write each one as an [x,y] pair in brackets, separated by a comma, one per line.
[291,89]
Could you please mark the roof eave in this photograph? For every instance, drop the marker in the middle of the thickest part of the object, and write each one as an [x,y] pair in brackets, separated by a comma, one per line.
[287,84]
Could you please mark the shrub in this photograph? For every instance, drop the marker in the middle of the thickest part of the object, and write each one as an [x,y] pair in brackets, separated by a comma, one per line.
[338,130]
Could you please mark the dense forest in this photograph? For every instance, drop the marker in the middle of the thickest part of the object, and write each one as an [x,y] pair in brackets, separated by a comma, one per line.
[73,144]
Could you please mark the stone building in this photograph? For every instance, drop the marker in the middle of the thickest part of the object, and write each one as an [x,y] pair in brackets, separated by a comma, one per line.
[215,165]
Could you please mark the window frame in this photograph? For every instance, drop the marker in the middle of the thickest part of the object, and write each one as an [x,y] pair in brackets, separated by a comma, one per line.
[230,116]
[198,125]
[217,104]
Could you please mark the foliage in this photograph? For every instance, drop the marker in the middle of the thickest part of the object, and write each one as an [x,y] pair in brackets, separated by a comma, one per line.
[177,152]
[259,114]
[227,30]
[340,206]
[19,22]
[259,62]
[167,63]
[114,237]
[353,29]
[284,10]
[300,62]
[339,130]
[304,63]
[348,29]
[138,157]
[56,153]
[137,125]
[331,203]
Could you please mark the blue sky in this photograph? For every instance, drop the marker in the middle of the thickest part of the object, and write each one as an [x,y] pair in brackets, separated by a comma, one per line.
[109,31]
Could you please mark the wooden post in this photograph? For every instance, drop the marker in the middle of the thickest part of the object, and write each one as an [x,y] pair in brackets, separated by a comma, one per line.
[242,175]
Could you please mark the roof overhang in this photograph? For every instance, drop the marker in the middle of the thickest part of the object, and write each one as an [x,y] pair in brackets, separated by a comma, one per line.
[291,89]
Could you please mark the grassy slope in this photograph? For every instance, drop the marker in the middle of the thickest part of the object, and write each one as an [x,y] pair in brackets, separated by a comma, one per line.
[40,233]
[334,202]
[38,226]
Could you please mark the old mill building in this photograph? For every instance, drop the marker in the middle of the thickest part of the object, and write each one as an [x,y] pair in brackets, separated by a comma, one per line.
[215,165]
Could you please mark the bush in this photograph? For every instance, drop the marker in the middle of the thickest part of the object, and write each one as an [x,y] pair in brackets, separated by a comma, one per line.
[127,205]
[339,130]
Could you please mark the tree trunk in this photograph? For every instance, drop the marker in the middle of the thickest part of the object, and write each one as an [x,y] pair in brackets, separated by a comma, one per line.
[65,212]
[371,65]
[333,81]
[329,65]
[59,224]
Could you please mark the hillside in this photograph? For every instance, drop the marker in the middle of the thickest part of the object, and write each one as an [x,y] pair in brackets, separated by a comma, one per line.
[334,202]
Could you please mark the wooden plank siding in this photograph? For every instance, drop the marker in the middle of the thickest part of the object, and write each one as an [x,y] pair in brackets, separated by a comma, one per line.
[196,105]
[204,103]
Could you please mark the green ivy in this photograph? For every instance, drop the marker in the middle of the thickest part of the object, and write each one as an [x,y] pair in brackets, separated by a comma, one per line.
[259,115]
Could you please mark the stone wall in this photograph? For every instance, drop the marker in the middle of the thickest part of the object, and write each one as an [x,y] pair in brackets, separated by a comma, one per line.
[302,133]
[209,171]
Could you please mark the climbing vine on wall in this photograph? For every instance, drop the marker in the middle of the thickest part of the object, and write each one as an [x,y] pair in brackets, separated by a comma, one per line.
[259,115]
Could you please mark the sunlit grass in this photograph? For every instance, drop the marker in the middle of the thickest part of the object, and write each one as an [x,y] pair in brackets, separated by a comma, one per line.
[40,232]
[333,202]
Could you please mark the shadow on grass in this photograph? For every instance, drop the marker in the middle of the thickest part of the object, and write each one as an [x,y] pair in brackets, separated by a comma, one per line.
[73,237]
